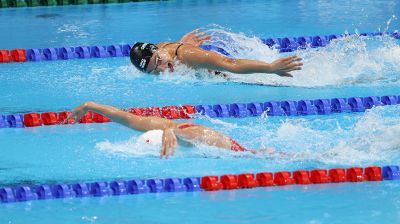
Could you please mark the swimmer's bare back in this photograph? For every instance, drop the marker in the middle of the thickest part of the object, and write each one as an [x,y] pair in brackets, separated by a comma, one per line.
[187,131]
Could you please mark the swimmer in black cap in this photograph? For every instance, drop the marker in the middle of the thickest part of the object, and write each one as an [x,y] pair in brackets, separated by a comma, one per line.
[158,58]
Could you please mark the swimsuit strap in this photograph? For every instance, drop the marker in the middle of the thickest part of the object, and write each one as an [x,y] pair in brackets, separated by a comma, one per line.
[177,48]
[176,51]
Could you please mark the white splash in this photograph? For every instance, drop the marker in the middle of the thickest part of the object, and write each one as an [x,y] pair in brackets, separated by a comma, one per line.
[372,137]
[130,147]
[348,61]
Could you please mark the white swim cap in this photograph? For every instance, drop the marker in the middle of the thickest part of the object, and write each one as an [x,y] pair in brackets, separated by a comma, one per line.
[153,137]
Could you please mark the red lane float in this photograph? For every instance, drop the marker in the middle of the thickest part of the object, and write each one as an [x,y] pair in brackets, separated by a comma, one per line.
[282,178]
[302,177]
[186,111]
[337,175]
[247,180]
[52,118]
[210,183]
[18,55]
[229,182]
[373,173]
[319,177]
[265,179]
[32,120]
[49,118]
[355,174]
[98,118]
[170,112]
[5,56]
[63,115]
[87,118]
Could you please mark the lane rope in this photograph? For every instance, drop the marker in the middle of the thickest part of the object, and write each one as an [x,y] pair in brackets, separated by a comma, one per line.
[191,184]
[234,110]
[285,44]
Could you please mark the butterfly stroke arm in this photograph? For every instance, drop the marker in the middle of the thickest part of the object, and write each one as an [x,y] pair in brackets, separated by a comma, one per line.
[139,123]
[122,117]
[200,58]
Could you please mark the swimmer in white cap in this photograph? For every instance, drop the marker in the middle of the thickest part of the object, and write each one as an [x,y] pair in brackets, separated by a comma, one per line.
[170,130]
[156,58]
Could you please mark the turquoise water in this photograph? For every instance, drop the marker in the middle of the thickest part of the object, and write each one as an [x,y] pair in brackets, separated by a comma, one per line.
[348,67]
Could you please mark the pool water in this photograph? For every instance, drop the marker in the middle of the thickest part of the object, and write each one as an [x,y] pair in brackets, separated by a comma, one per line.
[353,66]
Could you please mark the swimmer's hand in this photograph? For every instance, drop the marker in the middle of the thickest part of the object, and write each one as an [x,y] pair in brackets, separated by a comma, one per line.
[195,38]
[169,143]
[283,66]
[78,113]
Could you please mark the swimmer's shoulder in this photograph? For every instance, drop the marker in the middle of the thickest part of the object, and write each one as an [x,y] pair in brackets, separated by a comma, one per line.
[164,44]
[176,44]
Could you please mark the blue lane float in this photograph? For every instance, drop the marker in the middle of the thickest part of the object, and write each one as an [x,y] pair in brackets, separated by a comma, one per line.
[80,52]
[391,173]
[297,108]
[12,121]
[98,189]
[289,44]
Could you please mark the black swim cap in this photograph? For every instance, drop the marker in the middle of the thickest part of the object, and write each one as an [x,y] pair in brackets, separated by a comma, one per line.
[140,55]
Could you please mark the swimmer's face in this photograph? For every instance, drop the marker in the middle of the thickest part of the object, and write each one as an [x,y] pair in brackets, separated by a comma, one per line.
[160,61]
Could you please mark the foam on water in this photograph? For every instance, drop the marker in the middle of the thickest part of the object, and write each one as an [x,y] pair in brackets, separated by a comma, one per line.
[368,139]
[346,139]
[130,147]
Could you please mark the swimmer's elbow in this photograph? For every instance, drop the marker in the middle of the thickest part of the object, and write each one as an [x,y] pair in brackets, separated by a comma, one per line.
[88,104]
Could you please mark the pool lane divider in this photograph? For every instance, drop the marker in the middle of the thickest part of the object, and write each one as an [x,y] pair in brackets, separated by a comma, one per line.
[191,184]
[234,110]
[285,44]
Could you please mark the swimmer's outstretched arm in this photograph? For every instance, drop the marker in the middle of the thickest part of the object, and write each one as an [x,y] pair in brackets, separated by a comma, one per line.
[199,58]
[122,117]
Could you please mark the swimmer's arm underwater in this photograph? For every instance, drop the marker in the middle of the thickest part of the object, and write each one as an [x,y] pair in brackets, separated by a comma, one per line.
[199,58]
